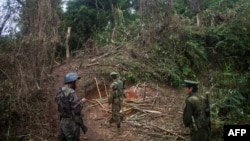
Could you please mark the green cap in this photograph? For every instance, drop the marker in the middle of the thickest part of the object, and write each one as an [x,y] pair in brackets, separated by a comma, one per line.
[191,83]
[113,73]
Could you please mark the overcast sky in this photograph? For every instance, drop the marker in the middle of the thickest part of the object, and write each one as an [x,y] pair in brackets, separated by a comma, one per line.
[10,25]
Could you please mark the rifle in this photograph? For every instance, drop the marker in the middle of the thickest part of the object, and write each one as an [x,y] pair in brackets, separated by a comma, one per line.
[82,125]
[123,83]
[78,121]
[208,114]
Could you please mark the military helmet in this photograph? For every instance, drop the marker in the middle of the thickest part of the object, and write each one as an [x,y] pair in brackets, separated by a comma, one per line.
[70,77]
[113,73]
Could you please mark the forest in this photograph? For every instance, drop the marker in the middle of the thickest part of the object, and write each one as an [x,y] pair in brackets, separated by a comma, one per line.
[167,41]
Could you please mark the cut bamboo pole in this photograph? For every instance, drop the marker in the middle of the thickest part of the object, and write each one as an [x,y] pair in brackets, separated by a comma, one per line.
[98,88]
[144,95]
[105,87]
[67,44]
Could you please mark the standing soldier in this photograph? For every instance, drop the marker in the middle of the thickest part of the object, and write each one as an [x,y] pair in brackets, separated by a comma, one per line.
[69,107]
[194,115]
[115,98]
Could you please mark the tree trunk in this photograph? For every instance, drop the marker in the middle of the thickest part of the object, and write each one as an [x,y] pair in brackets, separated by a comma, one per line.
[198,19]
[67,45]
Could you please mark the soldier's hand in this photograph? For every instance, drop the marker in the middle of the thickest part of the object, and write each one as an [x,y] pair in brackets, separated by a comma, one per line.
[84,99]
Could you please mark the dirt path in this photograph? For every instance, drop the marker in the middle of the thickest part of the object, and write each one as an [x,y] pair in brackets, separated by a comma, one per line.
[151,113]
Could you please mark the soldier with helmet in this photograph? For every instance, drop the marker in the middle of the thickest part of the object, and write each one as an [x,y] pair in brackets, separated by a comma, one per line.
[194,115]
[115,100]
[69,107]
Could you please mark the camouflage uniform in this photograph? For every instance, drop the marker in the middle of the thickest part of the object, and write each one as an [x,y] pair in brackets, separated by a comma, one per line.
[195,107]
[69,130]
[115,98]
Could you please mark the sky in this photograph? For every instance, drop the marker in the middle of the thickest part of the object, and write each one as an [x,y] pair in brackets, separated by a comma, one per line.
[10,25]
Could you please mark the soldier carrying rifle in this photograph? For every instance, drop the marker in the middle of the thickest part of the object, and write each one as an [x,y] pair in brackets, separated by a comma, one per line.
[69,107]
[196,112]
[115,100]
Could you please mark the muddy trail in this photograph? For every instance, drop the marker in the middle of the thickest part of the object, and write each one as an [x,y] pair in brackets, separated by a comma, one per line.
[151,112]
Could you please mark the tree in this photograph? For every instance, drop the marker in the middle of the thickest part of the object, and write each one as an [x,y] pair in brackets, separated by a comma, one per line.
[9,15]
[30,62]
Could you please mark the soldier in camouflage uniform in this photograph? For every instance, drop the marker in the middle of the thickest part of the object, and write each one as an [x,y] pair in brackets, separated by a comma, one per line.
[69,107]
[194,115]
[115,98]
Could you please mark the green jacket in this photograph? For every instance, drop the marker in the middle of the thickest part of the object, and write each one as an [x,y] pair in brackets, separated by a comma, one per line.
[195,106]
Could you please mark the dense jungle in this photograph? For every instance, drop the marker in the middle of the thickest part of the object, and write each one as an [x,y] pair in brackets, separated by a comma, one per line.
[153,44]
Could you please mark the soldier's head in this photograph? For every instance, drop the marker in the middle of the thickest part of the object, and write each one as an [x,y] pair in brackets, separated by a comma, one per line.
[114,75]
[191,86]
[71,78]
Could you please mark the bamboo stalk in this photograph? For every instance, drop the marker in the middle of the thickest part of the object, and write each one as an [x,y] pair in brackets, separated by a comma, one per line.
[98,88]
[67,44]
[144,95]
[154,101]
[105,87]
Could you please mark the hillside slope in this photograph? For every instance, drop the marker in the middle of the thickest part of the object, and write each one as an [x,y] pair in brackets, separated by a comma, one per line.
[151,111]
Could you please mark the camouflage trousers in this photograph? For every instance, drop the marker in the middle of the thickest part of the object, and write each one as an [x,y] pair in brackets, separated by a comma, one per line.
[202,134]
[116,116]
[69,130]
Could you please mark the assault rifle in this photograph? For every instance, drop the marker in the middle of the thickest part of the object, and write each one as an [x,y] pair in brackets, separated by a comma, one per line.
[123,83]
[208,114]
[82,125]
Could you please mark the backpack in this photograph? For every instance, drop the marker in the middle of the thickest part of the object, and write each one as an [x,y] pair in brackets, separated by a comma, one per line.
[63,99]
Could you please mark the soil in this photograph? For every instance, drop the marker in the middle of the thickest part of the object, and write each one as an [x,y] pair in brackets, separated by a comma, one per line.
[151,112]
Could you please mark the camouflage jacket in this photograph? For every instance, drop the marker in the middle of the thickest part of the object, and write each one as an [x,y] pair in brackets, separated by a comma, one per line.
[116,92]
[68,102]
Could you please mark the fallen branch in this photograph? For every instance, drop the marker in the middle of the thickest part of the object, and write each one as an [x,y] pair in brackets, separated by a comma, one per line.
[88,65]
[104,55]
[168,131]
[100,104]
[163,136]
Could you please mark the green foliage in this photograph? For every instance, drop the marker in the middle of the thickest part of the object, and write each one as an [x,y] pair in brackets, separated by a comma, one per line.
[131,77]
[231,101]
[96,19]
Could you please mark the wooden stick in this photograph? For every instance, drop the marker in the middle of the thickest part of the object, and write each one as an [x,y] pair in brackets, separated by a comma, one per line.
[144,95]
[168,131]
[102,106]
[154,101]
[93,105]
[98,89]
[67,44]
[105,87]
